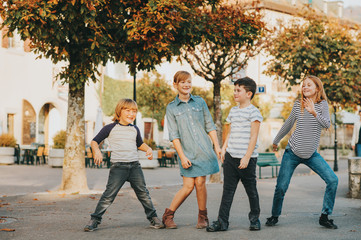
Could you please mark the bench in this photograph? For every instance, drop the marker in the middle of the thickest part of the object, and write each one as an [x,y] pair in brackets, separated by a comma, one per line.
[266,160]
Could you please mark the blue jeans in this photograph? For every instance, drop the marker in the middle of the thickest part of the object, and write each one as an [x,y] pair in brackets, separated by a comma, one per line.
[289,163]
[358,150]
[118,174]
[232,176]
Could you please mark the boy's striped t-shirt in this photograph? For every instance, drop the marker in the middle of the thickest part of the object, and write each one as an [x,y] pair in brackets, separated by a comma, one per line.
[241,119]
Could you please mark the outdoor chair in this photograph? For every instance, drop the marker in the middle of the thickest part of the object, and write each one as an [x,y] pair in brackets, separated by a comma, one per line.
[161,158]
[170,158]
[39,156]
[17,154]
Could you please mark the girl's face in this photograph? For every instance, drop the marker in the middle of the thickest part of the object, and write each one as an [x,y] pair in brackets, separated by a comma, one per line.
[309,88]
[184,87]
[127,116]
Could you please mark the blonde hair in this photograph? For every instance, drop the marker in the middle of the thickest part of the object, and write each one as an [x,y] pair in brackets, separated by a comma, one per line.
[181,76]
[122,104]
[320,91]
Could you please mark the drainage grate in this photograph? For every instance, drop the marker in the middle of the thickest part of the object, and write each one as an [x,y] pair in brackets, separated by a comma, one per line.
[5,220]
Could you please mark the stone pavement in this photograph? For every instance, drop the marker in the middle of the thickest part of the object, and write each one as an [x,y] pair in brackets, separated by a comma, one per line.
[30,205]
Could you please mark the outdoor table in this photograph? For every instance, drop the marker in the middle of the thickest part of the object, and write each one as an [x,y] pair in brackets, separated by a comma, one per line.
[28,154]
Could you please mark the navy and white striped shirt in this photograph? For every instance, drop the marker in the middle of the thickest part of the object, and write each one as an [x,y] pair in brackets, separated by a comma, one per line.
[241,119]
[124,141]
[306,137]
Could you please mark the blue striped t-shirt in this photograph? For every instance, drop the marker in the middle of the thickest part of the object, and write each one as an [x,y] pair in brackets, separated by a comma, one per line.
[241,119]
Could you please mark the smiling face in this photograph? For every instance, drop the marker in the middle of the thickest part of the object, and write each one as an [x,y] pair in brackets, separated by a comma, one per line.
[309,88]
[241,95]
[127,116]
[184,86]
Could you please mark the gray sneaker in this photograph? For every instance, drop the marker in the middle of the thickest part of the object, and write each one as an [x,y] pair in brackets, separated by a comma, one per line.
[92,225]
[156,223]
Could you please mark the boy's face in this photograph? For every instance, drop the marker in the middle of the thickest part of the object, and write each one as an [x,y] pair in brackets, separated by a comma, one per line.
[127,116]
[241,95]
[184,87]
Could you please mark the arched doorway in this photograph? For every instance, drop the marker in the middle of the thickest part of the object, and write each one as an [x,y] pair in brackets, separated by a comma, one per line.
[44,123]
[54,125]
[29,123]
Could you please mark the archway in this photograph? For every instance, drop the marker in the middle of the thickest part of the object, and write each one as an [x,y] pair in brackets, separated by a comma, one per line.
[29,123]
[43,123]
[54,125]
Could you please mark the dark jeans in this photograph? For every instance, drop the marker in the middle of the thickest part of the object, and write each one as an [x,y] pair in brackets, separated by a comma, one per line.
[289,163]
[118,174]
[232,175]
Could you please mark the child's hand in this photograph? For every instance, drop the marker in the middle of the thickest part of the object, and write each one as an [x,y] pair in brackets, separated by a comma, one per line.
[149,153]
[275,147]
[218,151]
[223,154]
[186,163]
[310,106]
[243,163]
[98,157]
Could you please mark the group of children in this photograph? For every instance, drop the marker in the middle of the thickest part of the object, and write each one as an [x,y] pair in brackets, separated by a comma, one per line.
[193,134]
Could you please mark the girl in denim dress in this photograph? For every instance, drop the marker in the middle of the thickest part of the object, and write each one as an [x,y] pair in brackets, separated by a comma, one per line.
[192,131]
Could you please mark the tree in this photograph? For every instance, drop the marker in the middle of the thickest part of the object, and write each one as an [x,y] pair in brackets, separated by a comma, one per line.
[154,96]
[87,33]
[229,37]
[320,46]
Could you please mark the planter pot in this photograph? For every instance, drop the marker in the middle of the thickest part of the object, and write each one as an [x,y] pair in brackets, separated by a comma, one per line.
[7,155]
[145,162]
[56,157]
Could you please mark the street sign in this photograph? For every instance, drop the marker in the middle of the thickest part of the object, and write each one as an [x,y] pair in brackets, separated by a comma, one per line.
[261,89]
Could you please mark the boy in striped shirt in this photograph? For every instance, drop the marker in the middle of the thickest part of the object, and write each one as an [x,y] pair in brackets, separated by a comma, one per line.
[239,155]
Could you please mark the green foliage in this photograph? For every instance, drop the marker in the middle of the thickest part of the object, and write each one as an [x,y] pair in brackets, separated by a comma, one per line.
[287,108]
[206,94]
[264,107]
[230,35]
[7,140]
[113,91]
[323,47]
[151,143]
[153,96]
[59,140]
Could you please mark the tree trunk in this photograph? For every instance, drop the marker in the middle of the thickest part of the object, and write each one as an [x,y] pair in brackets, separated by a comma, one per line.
[216,178]
[74,175]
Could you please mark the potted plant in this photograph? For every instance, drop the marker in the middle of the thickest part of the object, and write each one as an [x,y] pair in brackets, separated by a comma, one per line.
[56,153]
[143,159]
[7,148]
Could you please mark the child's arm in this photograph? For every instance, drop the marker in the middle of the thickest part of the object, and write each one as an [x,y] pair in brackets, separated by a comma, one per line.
[186,163]
[98,156]
[225,144]
[214,138]
[148,151]
[252,144]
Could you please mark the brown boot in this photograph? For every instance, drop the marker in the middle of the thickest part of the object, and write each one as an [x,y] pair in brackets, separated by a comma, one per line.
[202,219]
[168,219]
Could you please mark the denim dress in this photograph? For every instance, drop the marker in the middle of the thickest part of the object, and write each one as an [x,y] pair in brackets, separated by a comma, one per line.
[191,122]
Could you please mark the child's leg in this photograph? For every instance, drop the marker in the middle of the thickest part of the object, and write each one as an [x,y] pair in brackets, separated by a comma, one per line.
[248,178]
[231,179]
[183,193]
[320,166]
[201,190]
[288,165]
[117,176]
[137,182]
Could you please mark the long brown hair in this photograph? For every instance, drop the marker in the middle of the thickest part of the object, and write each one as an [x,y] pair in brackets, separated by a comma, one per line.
[320,94]
[124,103]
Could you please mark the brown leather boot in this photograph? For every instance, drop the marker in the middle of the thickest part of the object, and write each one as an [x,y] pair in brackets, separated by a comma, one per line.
[168,219]
[202,219]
